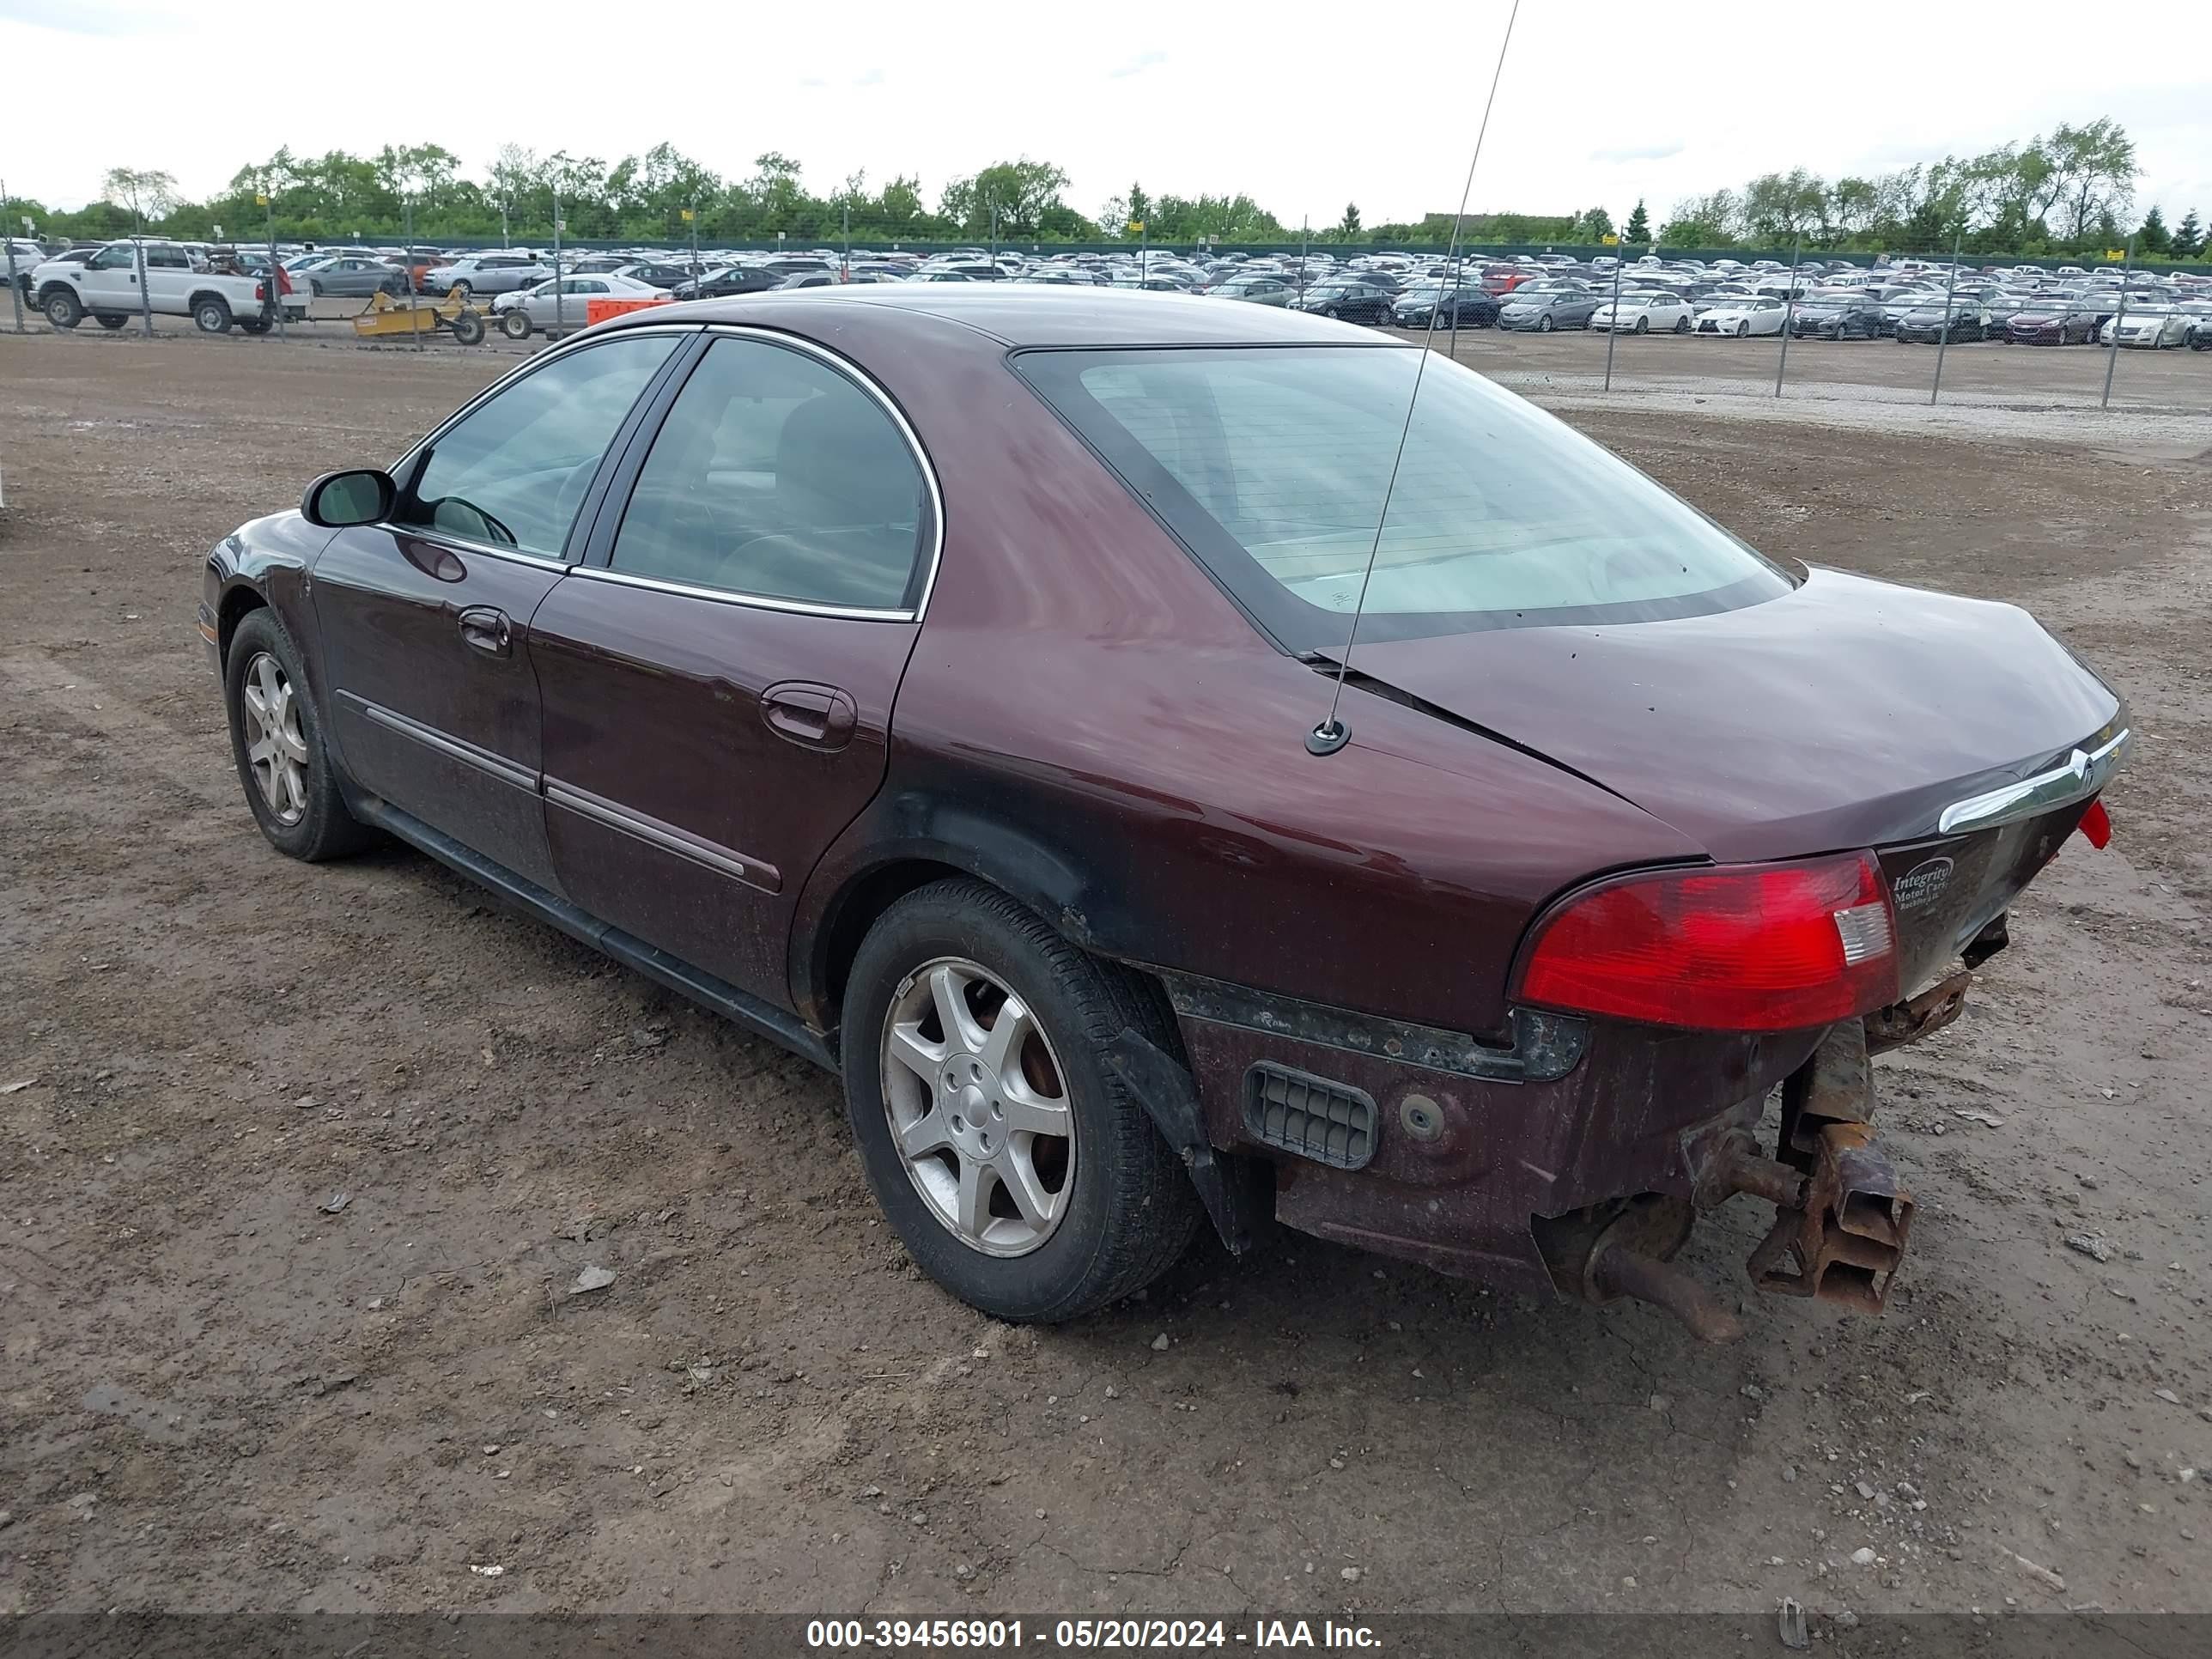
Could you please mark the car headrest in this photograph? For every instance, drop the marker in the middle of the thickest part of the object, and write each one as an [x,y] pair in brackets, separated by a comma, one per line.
[841,462]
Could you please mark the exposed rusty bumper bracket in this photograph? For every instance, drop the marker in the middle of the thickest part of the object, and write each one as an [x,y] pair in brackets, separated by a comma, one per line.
[1909,1021]
[1846,1238]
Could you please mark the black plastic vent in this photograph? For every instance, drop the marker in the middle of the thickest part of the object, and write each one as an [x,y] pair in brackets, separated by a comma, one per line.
[1331,1123]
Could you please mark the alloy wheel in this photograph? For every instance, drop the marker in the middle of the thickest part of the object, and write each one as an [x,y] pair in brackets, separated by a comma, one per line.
[275,748]
[979,1107]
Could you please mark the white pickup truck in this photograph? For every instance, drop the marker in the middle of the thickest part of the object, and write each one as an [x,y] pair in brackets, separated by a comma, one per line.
[105,287]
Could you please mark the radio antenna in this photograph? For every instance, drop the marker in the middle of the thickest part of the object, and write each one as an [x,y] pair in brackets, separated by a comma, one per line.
[1333,733]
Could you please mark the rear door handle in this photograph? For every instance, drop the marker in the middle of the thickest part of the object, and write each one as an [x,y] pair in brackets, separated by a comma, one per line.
[486,628]
[813,715]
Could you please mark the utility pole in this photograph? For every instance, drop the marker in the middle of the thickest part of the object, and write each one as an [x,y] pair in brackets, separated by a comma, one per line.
[1943,334]
[1305,251]
[691,217]
[2112,356]
[1789,313]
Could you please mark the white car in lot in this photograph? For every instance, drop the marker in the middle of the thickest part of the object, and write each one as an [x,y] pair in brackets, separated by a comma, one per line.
[1756,314]
[558,303]
[1645,314]
[2152,327]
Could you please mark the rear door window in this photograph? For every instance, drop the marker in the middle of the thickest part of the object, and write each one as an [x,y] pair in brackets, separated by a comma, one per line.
[776,476]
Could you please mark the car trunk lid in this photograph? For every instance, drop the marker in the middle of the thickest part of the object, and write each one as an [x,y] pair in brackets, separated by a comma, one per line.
[1847,713]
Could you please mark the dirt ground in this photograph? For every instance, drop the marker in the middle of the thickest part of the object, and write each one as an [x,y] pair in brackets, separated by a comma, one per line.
[215,1393]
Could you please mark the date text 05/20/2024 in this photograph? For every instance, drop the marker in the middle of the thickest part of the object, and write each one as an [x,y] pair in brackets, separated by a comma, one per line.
[1151,1635]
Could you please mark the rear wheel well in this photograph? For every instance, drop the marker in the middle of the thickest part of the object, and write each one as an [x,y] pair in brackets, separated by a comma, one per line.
[236,605]
[854,912]
[867,897]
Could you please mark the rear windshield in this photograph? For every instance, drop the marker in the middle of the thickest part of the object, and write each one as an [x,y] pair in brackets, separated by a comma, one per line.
[1271,463]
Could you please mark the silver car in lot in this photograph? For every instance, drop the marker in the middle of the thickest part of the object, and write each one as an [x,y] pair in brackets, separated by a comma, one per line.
[349,274]
[559,303]
[499,272]
[1542,311]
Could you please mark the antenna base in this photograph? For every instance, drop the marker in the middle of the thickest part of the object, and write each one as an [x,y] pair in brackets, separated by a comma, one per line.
[1328,738]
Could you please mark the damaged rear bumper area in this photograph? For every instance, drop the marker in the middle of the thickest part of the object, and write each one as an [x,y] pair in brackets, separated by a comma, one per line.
[1561,1165]
[1843,1218]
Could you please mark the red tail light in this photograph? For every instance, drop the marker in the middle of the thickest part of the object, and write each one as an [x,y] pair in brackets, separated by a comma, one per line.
[1767,947]
[258,292]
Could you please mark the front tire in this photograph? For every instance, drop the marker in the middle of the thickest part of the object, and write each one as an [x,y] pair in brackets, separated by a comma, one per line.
[64,309]
[1544,324]
[277,743]
[1013,1164]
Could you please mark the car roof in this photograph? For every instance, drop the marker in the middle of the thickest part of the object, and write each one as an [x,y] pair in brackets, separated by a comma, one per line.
[1030,315]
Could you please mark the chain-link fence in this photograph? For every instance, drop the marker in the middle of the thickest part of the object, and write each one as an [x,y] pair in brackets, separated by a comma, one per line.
[1899,328]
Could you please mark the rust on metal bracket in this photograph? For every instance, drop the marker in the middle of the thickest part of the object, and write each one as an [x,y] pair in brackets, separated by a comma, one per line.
[1917,1016]
[1848,1242]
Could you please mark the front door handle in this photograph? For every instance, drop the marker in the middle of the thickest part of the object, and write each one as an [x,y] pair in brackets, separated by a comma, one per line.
[813,715]
[486,628]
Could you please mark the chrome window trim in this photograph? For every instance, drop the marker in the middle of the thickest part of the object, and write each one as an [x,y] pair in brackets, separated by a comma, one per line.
[2082,774]
[750,601]
[868,384]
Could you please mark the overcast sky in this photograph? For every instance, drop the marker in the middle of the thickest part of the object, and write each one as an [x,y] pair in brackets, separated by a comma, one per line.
[1306,104]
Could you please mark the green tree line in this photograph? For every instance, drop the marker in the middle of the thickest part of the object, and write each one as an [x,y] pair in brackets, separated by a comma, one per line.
[2071,191]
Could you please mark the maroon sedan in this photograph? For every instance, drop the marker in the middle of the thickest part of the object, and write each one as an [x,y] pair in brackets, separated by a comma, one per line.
[938,681]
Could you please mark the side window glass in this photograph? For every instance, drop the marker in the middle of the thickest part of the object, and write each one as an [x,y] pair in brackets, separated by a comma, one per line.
[513,471]
[111,258]
[776,477]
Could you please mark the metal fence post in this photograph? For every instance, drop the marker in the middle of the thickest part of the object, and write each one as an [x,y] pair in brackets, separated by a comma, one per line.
[2113,354]
[693,216]
[145,299]
[1943,334]
[1789,311]
[1612,329]
[559,311]
[276,285]
[1458,260]
[407,208]
[845,268]
[8,236]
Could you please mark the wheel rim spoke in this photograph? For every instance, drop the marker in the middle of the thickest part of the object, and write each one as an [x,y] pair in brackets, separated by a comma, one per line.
[1030,1113]
[1017,1173]
[973,1214]
[1002,1044]
[948,989]
[915,1052]
[927,1134]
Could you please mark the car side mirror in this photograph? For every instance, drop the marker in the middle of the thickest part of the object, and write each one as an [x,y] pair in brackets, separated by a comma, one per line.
[358,495]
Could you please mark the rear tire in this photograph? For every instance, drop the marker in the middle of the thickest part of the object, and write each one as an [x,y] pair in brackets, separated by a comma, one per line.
[297,805]
[111,322]
[1681,326]
[1124,1210]
[211,315]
